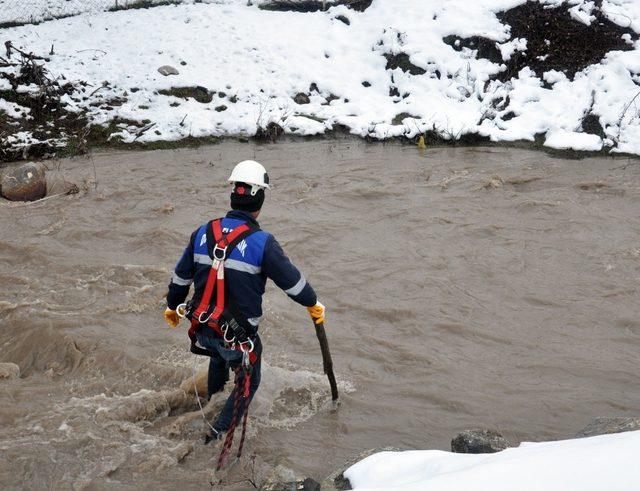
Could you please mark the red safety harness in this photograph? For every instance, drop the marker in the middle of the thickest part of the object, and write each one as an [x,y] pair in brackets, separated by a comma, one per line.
[203,314]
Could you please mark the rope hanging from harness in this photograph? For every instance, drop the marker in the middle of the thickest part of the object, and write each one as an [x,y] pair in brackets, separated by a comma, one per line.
[241,396]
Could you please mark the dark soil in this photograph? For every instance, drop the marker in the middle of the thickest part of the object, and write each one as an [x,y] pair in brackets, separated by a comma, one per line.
[565,44]
[402,62]
[142,4]
[555,41]
[591,124]
[48,119]
[200,94]
[270,133]
[314,5]
[486,47]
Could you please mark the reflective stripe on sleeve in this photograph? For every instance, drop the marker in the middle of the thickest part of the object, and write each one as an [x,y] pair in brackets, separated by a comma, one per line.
[297,288]
[202,259]
[176,280]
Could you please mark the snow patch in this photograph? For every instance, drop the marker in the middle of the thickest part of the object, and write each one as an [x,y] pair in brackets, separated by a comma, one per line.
[585,464]
[564,140]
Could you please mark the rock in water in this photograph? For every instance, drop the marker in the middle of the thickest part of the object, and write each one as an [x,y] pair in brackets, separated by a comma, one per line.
[606,426]
[167,70]
[479,441]
[9,371]
[26,182]
[307,484]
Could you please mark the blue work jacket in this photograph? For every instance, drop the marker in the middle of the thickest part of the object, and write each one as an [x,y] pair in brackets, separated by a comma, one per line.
[252,261]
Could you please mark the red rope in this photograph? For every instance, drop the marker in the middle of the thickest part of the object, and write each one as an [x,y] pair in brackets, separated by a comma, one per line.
[247,392]
[240,393]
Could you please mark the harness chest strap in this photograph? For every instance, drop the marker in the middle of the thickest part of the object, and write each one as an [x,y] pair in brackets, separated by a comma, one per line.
[223,245]
[215,281]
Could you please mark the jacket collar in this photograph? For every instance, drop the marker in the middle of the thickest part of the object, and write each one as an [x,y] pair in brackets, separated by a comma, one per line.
[244,216]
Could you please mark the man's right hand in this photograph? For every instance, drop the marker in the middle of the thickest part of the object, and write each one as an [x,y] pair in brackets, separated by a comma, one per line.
[171,318]
[317,313]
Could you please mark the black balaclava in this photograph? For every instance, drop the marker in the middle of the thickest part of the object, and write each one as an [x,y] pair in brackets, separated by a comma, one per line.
[242,200]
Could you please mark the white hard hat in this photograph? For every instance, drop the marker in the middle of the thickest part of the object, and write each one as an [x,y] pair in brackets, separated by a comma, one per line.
[250,172]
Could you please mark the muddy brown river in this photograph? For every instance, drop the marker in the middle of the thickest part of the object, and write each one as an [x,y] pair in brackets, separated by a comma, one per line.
[465,287]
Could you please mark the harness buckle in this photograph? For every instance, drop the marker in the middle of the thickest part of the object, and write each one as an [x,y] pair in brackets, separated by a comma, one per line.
[219,253]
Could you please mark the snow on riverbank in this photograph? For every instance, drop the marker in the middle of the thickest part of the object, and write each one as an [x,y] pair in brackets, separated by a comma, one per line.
[251,63]
[601,462]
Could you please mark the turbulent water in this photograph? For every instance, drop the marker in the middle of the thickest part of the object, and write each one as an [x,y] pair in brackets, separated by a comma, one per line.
[465,287]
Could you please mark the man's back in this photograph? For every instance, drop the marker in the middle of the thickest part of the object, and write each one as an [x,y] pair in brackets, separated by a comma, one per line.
[252,261]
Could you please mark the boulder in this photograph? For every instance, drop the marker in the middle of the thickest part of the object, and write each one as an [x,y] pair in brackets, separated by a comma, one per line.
[337,481]
[9,371]
[301,98]
[167,70]
[281,478]
[479,441]
[606,426]
[26,182]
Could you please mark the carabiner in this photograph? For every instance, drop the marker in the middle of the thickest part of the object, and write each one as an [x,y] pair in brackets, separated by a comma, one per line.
[250,343]
[181,310]
[201,321]
[224,335]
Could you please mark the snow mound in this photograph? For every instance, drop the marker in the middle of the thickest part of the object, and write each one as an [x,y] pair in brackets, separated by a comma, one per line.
[601,462]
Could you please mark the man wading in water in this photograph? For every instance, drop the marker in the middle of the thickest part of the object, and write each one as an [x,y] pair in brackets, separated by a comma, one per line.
[229,261]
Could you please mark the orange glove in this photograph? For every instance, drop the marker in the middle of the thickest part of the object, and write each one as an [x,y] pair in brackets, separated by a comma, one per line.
[171,318]
[317,313]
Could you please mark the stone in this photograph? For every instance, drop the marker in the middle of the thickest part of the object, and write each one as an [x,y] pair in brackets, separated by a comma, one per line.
[337,481]
[301,98]
[199,93]
[606,426]
[479,441]
[307,484]
[9,371]
[167,70]
[26,182]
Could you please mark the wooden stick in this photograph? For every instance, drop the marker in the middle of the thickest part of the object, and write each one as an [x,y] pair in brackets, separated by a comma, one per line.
[326,360]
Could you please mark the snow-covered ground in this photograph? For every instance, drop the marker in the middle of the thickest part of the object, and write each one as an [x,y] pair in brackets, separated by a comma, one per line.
[254,62]
[601,462]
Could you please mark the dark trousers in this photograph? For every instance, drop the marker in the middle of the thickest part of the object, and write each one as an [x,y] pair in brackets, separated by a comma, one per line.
[221,361]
